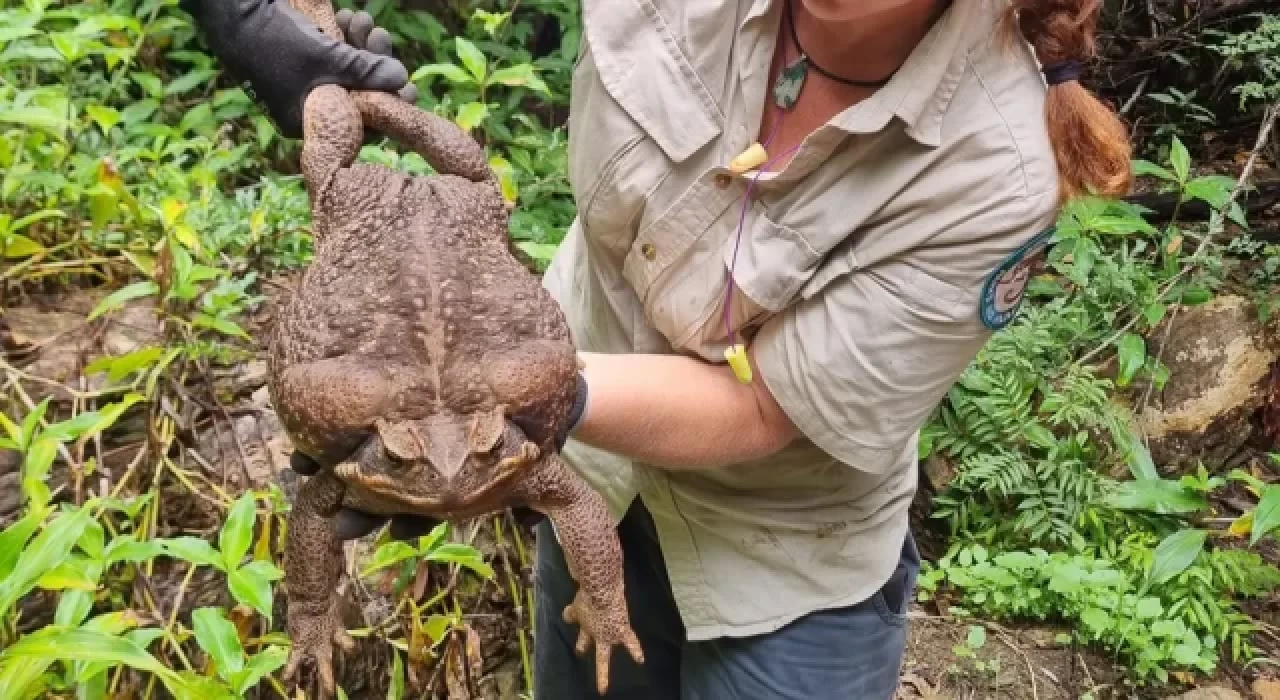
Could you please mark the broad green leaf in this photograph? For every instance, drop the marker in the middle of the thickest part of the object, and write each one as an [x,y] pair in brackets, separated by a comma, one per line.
[73,607]
[36,118]
[542,252]
[221,325]
[1160,496]
[195,551]
[116,299]
[472,58]
[128,548]
[47,551]
[14,537]
[188,81]
[260,666]
[103,205]
[12,429]
[461,555]
[40,458]
[1144,167]
[73,428]
[1179,159]
[105,117]
[1148,608]
[153,86]
[251,585]
[22,678]
[119,367]
[1132,354]
[32,421]
[42,215]
[1175,553]
[1154,313]
[471,114]
[219,638]
[237,531]
[1096,619]
[76,574]
[447,71]
[19,246]
[90,645]
[1267,515]
[188,685]
[389,554]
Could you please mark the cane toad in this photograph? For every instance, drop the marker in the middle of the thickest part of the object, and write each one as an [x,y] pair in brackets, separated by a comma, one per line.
[424,366]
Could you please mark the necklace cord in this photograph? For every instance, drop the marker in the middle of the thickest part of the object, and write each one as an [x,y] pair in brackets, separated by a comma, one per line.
[808,58]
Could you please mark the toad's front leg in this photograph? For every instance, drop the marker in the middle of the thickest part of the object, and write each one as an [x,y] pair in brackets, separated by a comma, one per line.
[313,565]
[594,555]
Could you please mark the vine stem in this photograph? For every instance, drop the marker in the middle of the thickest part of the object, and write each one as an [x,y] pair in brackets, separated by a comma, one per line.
[1216,225]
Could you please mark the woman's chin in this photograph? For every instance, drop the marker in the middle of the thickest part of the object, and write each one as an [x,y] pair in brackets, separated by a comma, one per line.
[837,11]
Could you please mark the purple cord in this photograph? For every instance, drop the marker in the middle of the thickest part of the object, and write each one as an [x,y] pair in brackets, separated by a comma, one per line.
[730,334]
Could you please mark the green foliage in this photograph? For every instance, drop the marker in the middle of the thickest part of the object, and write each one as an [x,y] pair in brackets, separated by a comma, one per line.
[1105,599]
[1256,50]
[130,164]
[1039,432]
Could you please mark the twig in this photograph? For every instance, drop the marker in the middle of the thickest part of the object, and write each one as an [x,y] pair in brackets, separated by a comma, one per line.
[1137,93]
[1216,226]
[1035,695]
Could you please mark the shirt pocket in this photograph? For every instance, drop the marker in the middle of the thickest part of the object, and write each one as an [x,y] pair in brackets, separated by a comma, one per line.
[638,108]
[687,301]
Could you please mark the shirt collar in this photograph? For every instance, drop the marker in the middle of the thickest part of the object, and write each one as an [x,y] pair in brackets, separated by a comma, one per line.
[920,92]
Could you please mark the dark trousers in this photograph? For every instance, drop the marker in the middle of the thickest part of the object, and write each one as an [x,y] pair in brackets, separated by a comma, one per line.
[851,653]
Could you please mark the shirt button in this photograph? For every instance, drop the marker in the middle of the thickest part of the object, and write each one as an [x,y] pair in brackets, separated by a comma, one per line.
[649,251]
[722,181]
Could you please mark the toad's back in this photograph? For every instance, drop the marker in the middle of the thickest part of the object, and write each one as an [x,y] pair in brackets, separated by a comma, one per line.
[413,275]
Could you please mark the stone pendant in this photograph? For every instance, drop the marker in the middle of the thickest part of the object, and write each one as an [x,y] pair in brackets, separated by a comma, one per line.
[786,89]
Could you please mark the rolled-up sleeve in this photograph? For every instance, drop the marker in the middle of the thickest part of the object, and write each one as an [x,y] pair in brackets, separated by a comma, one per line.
[860,366]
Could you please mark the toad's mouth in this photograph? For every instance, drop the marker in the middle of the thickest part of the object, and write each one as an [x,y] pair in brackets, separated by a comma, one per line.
[504,473]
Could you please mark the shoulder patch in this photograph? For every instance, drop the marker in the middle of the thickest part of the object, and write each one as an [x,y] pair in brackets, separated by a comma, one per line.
[1002,292]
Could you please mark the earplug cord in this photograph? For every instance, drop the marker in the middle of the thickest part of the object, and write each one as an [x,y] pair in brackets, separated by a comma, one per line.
[730,332]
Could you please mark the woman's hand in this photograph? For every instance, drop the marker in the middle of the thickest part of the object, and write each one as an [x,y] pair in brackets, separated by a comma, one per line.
[283,55]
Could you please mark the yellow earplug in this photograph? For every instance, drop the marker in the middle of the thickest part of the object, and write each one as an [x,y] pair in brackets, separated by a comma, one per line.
[737,357]
[753,157]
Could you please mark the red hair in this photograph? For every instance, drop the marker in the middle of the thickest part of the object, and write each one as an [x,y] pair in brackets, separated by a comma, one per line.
[1090,142]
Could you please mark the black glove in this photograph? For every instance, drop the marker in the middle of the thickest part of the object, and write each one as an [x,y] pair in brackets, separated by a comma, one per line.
[283,56]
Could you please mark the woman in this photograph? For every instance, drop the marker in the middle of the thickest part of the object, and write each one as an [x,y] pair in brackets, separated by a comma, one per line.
[841,198]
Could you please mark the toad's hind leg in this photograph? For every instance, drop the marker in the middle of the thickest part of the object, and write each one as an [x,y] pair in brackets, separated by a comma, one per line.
[332,133]
[443,144]
[536,380]
[594,555]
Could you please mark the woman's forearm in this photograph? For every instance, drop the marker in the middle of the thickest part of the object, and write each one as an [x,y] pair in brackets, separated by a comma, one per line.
[677,412]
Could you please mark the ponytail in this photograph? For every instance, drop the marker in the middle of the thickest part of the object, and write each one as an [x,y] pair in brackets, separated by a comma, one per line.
[1090,142]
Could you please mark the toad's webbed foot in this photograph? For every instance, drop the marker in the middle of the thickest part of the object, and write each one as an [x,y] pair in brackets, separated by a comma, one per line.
[603,626]
[314,634]
[594,556]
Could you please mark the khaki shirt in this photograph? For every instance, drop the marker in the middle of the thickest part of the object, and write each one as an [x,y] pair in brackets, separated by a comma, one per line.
[863,270]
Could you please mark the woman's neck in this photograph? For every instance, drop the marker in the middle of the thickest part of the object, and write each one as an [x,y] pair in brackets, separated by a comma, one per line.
[865,40]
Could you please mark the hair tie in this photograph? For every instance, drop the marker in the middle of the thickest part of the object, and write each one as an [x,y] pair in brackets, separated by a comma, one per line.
[1064,72]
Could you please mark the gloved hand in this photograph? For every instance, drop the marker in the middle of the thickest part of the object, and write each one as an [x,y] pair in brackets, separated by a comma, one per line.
[351,524]
[283,56]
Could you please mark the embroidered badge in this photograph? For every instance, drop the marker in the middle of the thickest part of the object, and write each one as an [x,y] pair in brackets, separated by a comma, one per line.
[1003,291]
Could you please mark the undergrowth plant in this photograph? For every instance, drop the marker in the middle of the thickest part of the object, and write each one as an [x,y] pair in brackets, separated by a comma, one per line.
[132,168]
[1057,510]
